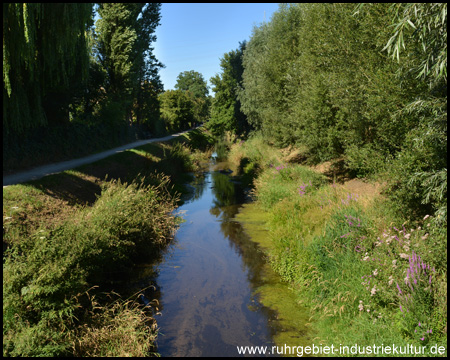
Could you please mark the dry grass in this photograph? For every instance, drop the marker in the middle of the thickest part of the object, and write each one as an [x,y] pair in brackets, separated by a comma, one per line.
[121,329]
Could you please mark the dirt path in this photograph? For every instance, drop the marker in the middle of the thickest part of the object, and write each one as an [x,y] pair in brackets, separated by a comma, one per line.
[41,171]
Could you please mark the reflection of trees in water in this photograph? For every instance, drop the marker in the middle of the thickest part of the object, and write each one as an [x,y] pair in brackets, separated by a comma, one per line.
[198,186]
[223,190]
[228,198]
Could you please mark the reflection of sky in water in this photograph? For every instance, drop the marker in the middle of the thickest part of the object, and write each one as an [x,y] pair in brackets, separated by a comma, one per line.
[207,277]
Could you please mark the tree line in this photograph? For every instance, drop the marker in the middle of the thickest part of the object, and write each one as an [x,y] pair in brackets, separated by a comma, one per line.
[366,83]
[83,77]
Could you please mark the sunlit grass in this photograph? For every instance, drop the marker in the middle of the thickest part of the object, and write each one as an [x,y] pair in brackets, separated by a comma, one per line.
[69,231]
[329,240]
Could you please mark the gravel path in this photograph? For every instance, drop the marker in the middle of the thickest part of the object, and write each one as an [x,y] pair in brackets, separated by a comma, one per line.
[41,171]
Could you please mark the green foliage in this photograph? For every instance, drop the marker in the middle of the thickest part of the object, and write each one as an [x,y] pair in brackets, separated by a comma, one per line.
[320,76]
[426,25]
[45,55]
[124,33]
[200,139]
[177,110]
[45,274]
[225,109]
[268,65]
[59,71]
[194,82]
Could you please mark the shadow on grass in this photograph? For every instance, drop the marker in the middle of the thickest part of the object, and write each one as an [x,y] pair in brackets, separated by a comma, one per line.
[82,186]
[69,187]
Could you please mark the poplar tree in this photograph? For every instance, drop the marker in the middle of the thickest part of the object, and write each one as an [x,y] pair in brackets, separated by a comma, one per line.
[124,37]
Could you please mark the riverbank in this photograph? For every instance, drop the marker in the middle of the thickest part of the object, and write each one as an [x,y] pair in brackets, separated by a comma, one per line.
[70,237]
[367,275]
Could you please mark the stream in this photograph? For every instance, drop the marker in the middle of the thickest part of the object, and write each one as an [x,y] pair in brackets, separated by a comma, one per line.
[209,282]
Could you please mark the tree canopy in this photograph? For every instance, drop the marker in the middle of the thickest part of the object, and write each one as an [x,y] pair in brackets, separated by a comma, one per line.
[194,82]
[45,57]
[366,83]
[226,114]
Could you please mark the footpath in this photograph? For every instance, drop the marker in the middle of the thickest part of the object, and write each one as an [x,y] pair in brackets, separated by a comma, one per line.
[44,170]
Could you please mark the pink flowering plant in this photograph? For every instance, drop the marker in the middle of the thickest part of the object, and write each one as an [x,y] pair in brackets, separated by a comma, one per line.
[385,277]
[402,280]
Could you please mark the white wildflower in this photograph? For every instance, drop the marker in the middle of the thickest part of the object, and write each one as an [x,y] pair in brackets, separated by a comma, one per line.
[373,291]
[425,236]
[375,273]
[404,256]
[391,280]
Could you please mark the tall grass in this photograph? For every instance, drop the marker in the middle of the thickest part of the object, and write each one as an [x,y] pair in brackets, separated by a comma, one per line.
[44,275]
[368,276]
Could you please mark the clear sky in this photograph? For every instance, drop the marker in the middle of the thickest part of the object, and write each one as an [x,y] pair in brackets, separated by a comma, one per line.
[196,36]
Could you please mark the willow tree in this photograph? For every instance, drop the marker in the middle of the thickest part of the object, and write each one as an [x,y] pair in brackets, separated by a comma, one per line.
[419,44]
[45,53]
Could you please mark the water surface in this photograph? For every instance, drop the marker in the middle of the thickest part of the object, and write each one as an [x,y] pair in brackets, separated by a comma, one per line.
[206,283]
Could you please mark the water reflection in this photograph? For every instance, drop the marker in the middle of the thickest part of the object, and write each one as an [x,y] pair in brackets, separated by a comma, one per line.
[206,280]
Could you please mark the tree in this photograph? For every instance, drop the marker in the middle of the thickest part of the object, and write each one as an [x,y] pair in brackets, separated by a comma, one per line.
[124,37]
[420,177]
[146,108]
[177,110]
[194,83]
[45,59]
[226,112]
[269,63]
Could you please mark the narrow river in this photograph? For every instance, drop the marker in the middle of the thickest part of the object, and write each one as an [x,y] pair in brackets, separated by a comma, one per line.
[206,283]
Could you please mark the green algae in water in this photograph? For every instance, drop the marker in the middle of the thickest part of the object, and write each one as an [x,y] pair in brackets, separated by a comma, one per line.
[290,326]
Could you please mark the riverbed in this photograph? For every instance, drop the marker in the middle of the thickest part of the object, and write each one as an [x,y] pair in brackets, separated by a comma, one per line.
[213,289]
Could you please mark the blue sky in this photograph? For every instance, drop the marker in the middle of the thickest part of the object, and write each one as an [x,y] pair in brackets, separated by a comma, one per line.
[196,36]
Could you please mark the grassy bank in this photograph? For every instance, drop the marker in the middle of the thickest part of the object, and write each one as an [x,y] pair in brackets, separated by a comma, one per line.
[70,237]
[368,275]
